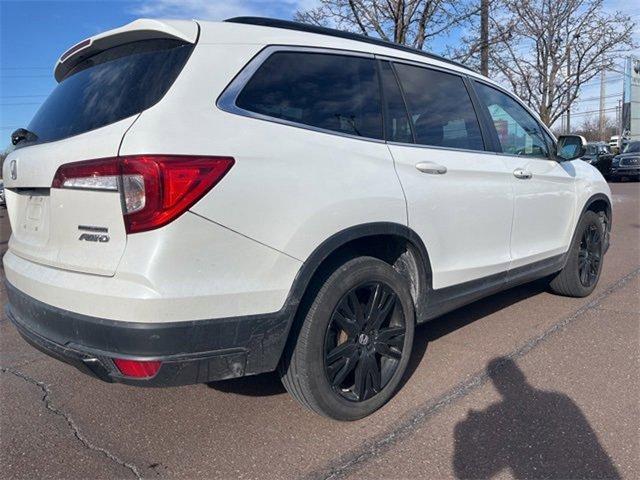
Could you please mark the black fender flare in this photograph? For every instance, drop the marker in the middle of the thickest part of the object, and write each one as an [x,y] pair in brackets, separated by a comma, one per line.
[313,262]
[609,213]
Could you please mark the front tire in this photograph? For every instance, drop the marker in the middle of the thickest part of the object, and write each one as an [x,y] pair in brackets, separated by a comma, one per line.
[581,273]
[354,343]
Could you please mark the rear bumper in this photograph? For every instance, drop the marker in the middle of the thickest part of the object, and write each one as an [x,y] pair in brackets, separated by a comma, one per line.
[191,352]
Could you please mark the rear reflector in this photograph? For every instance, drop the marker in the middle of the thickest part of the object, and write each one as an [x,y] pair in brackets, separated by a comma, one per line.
[155,189]
[137,369]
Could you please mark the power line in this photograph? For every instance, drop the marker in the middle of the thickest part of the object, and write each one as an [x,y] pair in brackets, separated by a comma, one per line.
[592,83]
[25,76]
[25,68]
[4,97]
[613,95]
[19,104]
[591,112]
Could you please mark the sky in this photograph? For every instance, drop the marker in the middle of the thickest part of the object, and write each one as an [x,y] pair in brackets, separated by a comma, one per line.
[33,34]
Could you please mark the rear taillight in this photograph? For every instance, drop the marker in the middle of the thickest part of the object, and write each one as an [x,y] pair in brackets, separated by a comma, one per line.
[155,189]
[136,368]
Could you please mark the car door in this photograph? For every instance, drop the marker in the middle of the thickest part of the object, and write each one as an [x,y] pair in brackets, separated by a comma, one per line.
[544,189]
[459,195]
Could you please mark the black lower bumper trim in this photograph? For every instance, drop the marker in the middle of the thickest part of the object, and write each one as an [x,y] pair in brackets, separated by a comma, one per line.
[190,352]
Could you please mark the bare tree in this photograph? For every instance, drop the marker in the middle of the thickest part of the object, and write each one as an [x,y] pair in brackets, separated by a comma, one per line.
[548,49]
[590,128]
[481,35]
[408,22]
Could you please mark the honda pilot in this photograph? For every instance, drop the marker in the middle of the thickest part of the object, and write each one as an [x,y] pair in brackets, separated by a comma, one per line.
[199,201]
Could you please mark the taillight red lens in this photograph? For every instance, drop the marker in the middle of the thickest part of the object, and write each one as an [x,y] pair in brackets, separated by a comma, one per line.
[137,369]
[156,189]
[172,184]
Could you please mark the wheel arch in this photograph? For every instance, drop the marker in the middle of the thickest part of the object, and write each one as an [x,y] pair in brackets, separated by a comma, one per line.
[600,204]
[384,240]
[393,243]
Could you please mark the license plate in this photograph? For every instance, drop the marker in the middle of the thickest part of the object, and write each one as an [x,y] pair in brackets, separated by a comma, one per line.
[34,213]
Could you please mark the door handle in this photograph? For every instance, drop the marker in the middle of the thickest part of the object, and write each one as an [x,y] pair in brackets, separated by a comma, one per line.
[432,168]
[522,174]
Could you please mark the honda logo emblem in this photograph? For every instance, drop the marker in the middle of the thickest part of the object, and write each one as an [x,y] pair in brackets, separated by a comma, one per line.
[13,168]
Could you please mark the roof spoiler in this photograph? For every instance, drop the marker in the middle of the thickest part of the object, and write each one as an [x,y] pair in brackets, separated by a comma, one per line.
[143,29]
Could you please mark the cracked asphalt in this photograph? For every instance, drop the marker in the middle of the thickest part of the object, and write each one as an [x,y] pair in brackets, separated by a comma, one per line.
[522,384]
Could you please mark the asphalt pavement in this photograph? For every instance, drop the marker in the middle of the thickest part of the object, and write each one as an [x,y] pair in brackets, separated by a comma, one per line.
[523,384]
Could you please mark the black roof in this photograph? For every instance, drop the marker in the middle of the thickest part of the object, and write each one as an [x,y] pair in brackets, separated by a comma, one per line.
[332,32]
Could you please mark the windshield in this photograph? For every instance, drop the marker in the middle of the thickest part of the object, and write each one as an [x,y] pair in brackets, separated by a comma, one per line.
[632,147]
[110,86]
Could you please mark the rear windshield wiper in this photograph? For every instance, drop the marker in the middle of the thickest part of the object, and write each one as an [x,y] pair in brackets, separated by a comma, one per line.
[22,134]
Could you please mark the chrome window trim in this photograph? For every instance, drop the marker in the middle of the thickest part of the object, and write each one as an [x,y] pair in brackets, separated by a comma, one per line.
[227,100]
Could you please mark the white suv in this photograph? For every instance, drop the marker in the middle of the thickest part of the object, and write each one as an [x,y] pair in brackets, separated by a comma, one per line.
[198,201]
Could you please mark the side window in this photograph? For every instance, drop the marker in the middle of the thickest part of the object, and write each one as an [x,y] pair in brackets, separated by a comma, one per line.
[440,108]
[397,126]
[518,131]
[333,92]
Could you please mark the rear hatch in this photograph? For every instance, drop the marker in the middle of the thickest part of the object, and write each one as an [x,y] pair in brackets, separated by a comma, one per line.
[104,83]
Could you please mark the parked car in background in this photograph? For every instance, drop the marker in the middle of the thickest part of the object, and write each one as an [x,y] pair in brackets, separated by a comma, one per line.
[599,155]
[298,202]
[627,164]
[614,144]
[2,202]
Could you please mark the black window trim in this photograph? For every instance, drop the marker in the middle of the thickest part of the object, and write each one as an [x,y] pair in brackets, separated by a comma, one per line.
[487,139]
[227,99]
[385,106]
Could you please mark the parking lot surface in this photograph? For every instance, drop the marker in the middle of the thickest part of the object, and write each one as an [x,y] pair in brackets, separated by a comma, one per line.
[522,384]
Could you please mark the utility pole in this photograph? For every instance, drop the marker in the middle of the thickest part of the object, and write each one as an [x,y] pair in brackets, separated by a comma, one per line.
[484,37]
[619,121]
[603,75]
[568,81]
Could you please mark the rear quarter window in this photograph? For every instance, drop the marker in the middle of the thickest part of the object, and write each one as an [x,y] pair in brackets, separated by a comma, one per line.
[110,86]
[332,92]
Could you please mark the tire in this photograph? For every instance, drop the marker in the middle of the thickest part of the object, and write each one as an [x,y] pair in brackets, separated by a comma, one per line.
[581,273]
[339,342]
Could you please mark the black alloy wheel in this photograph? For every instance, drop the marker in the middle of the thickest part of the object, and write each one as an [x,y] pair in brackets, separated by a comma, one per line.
[353,342]
[364,341]
[584,259]
[590,256]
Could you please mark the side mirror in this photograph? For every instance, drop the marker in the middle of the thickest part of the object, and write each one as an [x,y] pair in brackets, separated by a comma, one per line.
[570,147]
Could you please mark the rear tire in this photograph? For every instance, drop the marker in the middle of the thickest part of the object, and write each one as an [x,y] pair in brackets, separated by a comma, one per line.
[581,273]
[354,342]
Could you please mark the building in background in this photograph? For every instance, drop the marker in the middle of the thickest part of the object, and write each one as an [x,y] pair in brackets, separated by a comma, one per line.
[631,100]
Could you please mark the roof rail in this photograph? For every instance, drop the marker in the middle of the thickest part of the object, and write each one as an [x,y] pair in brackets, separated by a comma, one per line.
[303,27]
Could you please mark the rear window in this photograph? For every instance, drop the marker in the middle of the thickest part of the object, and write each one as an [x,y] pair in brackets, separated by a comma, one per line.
[110,86]
[332,92]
